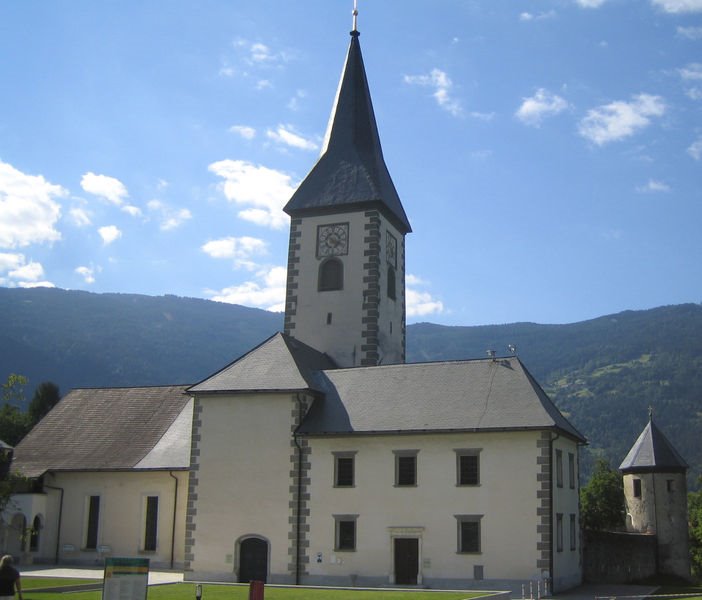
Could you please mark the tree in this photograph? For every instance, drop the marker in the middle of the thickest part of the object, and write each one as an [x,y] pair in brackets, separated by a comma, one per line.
[694,512]
[602,499]
[45,398]
[14,424]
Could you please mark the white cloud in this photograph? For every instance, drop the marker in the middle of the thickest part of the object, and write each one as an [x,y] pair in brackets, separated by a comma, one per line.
[653,186]
[244,131]
[131,210]
[481,116]
[267,292]
[109,234]
[420,303]
[284,135]
[691,33]
[294,102]
[29,272]
[618,120]
[695,149]
[527,16]
[104,186]
[80,217]
[590,3]
[169,216]
[28,208]
[21,273]
[241,250]
[691,72]
[679,6]
[542,104]
[87,273]
[266,189]
[694,93]
[442,85]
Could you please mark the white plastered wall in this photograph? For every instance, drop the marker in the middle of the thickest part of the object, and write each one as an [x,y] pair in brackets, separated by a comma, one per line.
[342,338]
[506,498]
[243,481]
[122,516]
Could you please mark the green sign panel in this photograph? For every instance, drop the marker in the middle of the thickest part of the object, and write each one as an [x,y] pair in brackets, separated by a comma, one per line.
[125,579]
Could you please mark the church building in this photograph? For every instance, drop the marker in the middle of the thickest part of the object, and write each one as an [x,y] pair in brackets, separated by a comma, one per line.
[320,457]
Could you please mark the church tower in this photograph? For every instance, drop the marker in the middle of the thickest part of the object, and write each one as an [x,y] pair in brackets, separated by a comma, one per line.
[346,259]
[655,492]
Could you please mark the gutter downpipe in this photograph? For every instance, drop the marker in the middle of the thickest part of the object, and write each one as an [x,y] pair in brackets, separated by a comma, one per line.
[298,519]
[60,517]
[175,510]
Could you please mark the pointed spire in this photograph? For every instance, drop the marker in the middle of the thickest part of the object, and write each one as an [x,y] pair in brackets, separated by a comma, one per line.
[351,173]
[652,452]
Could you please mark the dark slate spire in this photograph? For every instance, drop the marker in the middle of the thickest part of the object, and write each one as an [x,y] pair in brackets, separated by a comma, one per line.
[652,452]
[350,173]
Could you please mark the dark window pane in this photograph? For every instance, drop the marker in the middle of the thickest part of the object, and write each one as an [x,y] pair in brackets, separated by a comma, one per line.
[151,523]
[468,470]
[470,536]
[344,471]
[391,283]
[91,537]
[331,275]
[347,535]
[406,470]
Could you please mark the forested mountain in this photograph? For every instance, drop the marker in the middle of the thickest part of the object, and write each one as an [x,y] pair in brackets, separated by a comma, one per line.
[603,373]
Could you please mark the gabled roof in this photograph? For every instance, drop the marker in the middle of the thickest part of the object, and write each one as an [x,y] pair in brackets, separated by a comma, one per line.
[281,363]
[477,395]
[351,173]
[652,452]
[110,429]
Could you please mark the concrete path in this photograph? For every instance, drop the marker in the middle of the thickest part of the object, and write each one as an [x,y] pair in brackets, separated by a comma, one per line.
[155,577]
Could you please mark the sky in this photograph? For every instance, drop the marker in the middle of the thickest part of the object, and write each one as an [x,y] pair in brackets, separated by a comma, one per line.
[548,153]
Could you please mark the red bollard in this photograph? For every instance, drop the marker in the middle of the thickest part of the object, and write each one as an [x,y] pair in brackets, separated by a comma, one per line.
[256,590]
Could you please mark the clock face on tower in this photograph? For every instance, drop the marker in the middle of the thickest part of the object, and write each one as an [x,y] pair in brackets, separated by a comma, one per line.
[333,239]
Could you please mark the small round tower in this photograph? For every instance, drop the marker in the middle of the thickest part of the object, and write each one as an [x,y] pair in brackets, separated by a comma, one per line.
[655,491]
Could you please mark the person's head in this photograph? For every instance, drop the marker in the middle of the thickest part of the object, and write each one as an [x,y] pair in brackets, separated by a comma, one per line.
[6,561]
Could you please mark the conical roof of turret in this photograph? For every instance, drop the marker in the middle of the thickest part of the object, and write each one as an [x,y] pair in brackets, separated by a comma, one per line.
[351,173]
[652,452]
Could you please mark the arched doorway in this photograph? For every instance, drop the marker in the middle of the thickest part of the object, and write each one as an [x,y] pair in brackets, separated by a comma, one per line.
[253,560]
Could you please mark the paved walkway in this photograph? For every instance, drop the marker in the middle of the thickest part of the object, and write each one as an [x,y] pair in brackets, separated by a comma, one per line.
[155,577]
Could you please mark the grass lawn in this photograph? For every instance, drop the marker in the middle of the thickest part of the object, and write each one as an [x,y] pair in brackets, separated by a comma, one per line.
[186,591]
[31,583]
[673,592]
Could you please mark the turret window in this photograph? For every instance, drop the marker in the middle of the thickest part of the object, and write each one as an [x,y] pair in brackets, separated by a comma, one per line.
[331,275]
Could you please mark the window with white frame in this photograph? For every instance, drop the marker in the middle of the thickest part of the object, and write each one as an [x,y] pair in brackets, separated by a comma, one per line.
[469,533]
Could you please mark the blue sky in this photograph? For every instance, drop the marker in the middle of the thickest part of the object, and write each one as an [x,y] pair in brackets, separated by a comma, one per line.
[548,153]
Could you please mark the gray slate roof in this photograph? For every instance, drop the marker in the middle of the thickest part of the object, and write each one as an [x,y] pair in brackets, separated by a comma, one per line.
[110,429]
[281,363]
[351,173]
[652,452]
[477,395]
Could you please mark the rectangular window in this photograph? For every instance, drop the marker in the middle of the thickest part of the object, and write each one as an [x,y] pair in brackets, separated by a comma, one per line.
[571,470]
[468,533]
[637,488]
[559,468]
[559,532]
[406,468]
[468,467]
[573,538]
[669,485]
[344,469]
[345,532]
[92,522]
[151,523]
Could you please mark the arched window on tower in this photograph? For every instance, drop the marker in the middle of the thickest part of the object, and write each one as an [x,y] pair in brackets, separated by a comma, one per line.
[391,283]
[331,275]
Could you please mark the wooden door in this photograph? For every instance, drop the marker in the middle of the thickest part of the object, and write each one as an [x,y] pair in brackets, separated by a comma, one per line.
[253,560]
[406,561]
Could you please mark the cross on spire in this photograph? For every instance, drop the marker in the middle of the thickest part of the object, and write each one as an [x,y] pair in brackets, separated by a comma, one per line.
[355,16]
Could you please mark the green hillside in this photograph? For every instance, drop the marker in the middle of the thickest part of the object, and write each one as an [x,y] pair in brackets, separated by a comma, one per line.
[603,373]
